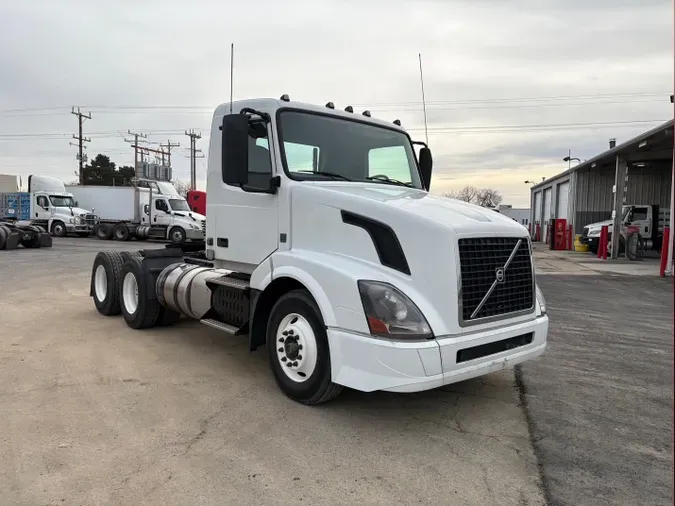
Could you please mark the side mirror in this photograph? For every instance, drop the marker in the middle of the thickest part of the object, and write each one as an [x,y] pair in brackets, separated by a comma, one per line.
[146,209]
[426,164]
[77,204]
[234,149]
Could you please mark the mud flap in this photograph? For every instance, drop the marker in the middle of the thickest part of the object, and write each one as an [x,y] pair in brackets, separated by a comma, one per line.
[13,240]
[45,240]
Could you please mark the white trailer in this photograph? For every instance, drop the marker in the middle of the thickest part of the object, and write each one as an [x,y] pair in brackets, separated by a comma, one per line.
[155,211]
[324,246]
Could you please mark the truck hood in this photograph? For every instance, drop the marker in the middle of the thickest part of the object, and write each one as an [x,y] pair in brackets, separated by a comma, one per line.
[186,215]
[459,216]
[77,211]
[598,225]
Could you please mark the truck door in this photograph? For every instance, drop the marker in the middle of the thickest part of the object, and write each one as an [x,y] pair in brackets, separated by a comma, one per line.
[246,223]
[640,217]
[42,209]
[161,215]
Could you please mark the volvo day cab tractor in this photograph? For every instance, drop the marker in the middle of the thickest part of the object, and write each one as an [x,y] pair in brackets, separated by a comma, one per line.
[48,206]
[154,210]
[325,248]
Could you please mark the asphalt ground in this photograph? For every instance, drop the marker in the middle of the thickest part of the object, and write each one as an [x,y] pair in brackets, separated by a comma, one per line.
[93,412]
[600,401]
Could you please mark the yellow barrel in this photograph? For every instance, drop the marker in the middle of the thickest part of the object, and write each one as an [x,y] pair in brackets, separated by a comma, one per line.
[582,248]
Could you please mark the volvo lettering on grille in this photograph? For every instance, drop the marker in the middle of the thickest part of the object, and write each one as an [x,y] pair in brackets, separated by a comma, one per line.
[500,277]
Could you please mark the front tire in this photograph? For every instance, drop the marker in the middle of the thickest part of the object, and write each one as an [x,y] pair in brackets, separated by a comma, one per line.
[59,229]
[177,235]
[297,346]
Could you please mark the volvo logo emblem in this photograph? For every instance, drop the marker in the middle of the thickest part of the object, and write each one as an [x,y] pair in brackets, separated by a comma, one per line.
[500,274]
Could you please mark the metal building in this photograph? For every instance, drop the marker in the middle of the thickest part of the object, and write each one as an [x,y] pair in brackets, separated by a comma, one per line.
[639,171]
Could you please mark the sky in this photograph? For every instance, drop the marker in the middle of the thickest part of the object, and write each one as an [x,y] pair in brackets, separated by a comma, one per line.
[510,85]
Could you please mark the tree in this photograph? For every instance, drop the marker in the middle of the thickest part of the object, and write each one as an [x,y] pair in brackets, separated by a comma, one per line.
[488,197]
[102,172]
[182,187]
[467,194]
[485,197]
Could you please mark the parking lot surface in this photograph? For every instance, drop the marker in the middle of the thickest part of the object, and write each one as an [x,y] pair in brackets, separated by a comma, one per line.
[600,401]
[93,412]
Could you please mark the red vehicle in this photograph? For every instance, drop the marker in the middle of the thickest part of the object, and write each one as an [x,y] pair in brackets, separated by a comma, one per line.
[196,199]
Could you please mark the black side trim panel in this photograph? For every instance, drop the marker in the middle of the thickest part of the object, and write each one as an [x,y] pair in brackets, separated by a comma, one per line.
[384,238]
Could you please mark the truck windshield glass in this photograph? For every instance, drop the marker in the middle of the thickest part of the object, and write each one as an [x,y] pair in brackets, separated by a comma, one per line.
[324,147]
[179,205]
[59,201]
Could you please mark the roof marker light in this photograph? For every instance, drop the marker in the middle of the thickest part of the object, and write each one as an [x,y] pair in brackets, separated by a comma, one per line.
[397,122]
[285,98]
[349,108]
[366,113]
[330,105]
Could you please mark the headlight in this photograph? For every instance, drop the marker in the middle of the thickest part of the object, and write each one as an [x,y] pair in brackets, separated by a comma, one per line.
[541,300]
[390,313]
[78,220]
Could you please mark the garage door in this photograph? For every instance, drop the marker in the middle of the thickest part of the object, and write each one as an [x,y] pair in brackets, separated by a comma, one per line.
[546,212]
[562,200]
[537,210]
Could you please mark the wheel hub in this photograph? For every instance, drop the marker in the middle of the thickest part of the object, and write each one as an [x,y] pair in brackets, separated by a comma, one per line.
[297,349]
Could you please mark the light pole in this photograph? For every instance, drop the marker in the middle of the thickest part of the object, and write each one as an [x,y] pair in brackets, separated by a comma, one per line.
[569,159]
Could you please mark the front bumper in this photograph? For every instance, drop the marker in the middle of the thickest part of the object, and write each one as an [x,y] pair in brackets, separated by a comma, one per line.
[79,228]
[590,241]
[194,234]
[367,364]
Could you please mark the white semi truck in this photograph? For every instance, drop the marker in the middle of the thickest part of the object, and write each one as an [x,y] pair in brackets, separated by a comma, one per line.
[649,219]
[155,210]
[48,205]
[324,246]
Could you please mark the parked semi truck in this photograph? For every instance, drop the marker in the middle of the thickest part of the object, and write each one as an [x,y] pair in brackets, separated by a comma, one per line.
[154,210]
[197,201]
[650,219]
[347,271]
[14,233]
[49,206]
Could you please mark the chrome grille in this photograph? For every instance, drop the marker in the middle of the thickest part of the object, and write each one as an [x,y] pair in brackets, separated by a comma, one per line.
[204,226]
[497,278]
[90,219]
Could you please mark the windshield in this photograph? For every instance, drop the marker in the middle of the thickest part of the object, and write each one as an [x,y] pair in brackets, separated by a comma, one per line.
[626,210]
[178,205]
[59,201]
[324,147]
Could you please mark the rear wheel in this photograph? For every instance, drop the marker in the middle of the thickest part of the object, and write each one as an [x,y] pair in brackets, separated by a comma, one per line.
[3,237]
[297,346]
[138,309]
[105,281]
[104,232]
[122,232]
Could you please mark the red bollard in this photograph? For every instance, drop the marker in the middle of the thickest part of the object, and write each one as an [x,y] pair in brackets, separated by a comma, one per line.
[570,242]
[604,239]
[664,251]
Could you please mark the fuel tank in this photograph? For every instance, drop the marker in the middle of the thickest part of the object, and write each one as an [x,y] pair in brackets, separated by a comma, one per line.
[182,287]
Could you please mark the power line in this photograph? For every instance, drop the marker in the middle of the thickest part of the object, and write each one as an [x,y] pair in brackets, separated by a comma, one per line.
[81,117]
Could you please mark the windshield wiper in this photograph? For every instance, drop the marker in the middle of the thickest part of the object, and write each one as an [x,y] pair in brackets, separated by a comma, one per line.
[334,175]
[387,179]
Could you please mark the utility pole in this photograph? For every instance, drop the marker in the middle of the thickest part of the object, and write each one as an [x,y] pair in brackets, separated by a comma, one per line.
[168,146]
[137,148]
[193,157]
[81,140]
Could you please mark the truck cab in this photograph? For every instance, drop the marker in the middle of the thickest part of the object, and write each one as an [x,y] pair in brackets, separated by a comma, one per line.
[170,217]
[324,247]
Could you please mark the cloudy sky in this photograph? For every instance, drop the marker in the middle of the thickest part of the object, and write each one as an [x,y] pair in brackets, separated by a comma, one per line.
[511,85]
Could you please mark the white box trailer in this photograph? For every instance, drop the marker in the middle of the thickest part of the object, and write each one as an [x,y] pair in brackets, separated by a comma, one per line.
[126,212]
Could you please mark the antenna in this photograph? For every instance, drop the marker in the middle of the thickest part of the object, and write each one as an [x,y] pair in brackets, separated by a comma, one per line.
[424,102]
[231,74]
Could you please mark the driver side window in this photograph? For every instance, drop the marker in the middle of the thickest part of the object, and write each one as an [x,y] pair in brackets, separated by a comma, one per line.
[43,202]
[160,205]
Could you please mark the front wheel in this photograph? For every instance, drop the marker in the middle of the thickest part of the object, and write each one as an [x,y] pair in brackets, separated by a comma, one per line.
[177,235]
[59,229]
[297,345]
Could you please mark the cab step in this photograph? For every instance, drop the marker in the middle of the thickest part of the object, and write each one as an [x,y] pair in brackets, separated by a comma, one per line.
[230,329]
[230,282]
